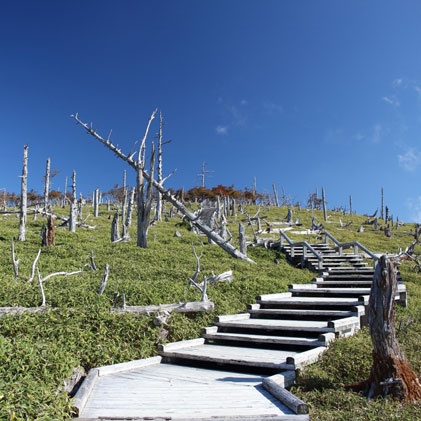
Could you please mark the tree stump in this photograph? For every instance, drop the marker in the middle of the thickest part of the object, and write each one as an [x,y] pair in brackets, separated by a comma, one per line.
[47,232]
[390,373]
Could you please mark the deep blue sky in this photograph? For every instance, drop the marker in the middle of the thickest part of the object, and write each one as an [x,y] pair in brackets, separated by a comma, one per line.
[302,93]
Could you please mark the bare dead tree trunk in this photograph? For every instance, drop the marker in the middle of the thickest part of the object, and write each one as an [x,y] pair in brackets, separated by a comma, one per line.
[115,229]
[96,202]
[324,204]
[14,260]
[242,239]
[73,206]
[145,208]
[124,205]
[23,196]
[229,248]
[350,205]
[275,195]
[382,205]
[128,222]
[390,373]
[47,185]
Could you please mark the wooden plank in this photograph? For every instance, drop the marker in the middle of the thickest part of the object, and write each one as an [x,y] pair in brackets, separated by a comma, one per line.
[229,317]
[278,324]
[325,301]
[130,365]
[286,397]
[181,344]
[304,358]
[85,390]
[264,339]
[303,312]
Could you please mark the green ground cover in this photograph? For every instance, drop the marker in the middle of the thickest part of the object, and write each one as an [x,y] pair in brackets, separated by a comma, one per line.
[39,351]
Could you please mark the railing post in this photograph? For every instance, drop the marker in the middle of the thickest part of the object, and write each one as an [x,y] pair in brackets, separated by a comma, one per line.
[292,250]
[320,264]
[340,250]
[281,239]
[355,249]
[303,259]
[326,239]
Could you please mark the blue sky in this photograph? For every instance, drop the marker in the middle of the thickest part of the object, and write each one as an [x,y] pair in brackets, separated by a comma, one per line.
[301,93]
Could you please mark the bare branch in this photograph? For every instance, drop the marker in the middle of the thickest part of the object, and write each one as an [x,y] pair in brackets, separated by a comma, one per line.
[33,267]
[15,262]
[104,280]
[41,288]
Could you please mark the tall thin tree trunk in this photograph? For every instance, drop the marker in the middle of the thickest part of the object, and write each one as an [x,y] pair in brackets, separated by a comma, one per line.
[96,202]
[124,205]
[324,204]
[23,196]
[73,206]
[47,185]
[128,221]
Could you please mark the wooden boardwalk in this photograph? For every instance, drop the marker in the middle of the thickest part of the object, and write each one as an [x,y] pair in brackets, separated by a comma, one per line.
[240,367]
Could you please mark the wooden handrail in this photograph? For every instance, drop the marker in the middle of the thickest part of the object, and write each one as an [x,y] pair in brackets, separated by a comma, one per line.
[305,246]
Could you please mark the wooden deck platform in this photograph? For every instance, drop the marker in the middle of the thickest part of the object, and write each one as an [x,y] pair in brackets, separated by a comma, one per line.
[167,391]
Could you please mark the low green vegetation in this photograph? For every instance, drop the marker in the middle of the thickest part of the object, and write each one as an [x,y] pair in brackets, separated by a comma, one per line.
[38,351]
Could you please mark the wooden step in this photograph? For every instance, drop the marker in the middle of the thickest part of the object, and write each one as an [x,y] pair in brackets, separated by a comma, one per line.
[274,312]
[314,301]
[277,324]
[228,355]
[263,339]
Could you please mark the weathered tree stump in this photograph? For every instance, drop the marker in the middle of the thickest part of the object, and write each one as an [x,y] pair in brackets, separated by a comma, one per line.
[47,232]
[390,373]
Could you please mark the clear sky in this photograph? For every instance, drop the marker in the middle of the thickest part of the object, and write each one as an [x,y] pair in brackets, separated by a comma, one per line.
[300,93]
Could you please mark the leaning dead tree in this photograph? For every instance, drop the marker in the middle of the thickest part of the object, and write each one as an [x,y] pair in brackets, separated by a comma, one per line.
[390,373]
[214,236]
[47,232]
[23,196]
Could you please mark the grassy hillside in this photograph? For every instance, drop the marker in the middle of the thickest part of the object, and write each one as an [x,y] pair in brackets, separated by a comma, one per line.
[39,351]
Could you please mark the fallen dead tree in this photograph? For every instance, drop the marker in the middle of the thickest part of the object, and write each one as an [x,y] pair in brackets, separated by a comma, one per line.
[186,307]
[212,235]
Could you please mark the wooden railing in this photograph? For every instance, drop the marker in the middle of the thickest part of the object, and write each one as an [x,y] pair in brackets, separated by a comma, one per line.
[357,246]
[306,246]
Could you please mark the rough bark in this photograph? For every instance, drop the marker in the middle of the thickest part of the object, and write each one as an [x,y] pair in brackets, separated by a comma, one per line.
[47,232]
[23,196]
[390,373]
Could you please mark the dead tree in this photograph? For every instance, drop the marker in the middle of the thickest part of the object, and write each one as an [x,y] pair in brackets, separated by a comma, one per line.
[23,196]
[160,179]
[14,260]
[242,239]
[275,195]
[47,232]
[201,287]
[115,229]
[47,184]
[124,205]
[104,279]
[324,204]
[390,373]
[229,248]
[128,221]
[144,206]
[33,266]
[96,202]
[73,206]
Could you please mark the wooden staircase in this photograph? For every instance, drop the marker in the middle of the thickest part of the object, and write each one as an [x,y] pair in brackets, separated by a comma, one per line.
[275,336]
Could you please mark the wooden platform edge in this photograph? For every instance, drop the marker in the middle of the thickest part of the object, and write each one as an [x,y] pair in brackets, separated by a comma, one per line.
[274,385]
[85,390]
[129,365]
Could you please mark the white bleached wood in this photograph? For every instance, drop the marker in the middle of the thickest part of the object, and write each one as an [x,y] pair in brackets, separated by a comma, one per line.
[167,195]
[14,260]
[85,390]
[130,365]
[115,229]
[104,279]
[181,344]
[33,266]
[96,202]
[23,196]
[242,239]
[302,359]
[47,184]
[230,317]
[286,397]
[130,208]
[73,206]
[186,307]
